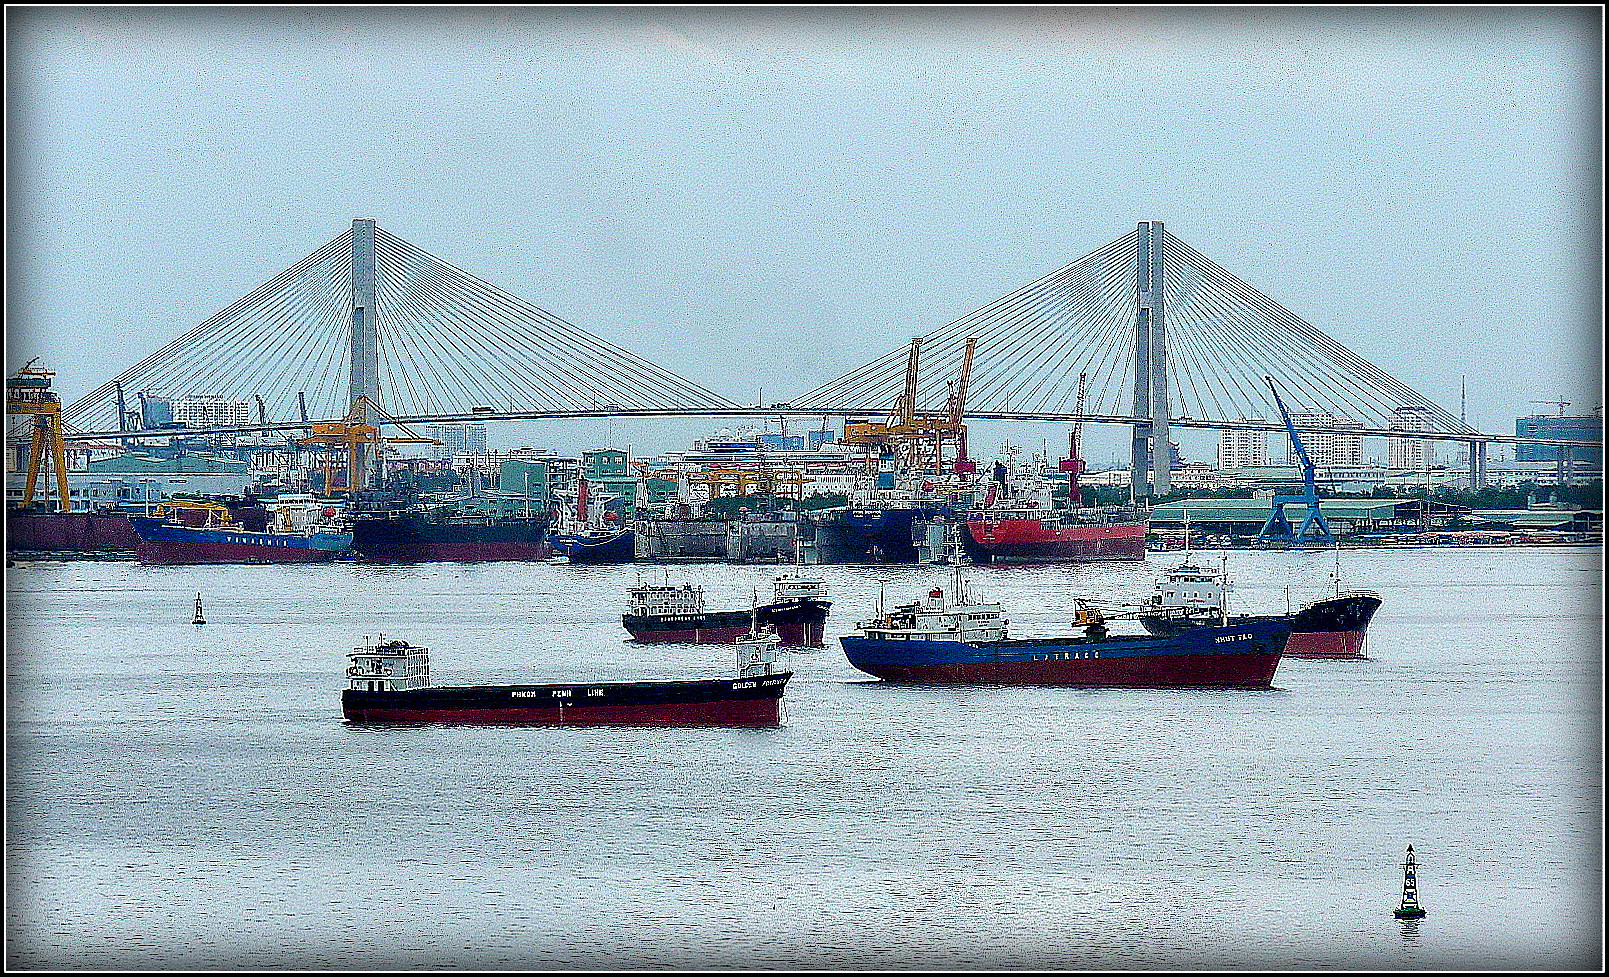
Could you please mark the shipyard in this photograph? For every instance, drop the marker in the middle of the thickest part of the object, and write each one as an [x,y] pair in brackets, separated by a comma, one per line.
[822,490]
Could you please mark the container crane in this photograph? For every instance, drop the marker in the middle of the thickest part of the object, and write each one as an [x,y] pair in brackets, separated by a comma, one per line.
[1277,525]
[958,402]
[907,434]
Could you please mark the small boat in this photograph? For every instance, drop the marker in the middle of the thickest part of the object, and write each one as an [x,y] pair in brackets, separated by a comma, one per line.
[1409,908]
[389,682]
[661,613]
[951,637]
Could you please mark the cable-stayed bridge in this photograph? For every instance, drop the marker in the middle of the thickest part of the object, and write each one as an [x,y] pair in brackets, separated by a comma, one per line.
[1156,334]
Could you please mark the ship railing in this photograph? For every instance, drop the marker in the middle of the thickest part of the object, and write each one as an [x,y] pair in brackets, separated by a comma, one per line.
[1359,593]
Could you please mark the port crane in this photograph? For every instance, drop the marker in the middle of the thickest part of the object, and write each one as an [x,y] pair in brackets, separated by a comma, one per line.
[910,436]
[1277,525]
[1073,464]
[29,393]
[360,441]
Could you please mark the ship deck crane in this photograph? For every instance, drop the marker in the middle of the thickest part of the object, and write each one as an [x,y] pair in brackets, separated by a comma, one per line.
[29,393]
[1277,525]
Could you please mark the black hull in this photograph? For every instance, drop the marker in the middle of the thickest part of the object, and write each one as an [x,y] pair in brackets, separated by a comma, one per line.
[1348,612]
[797,622]
[709,702]
[409,537]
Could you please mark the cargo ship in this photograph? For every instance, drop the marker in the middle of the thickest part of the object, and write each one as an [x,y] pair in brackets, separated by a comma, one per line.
[421,534]
[1033,535]
[1008,528]
[1190,595]
[389,682]
[583,535]
[107,532]
[952,638]
[101,532]
[664,613]
[300,533]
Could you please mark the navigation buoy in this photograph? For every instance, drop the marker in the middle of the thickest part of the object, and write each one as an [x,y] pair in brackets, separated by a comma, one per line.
[1409,908]
[198,618]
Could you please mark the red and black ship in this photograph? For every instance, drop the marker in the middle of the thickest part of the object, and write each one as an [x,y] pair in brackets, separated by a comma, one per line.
[1336,627]
[662,613]
[1191,596]
[1025,532]
[390,683]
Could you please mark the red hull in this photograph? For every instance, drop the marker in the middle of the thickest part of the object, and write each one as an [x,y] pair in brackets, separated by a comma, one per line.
[77,532]
[1153,671]
[1031,540]
[1326,644]
[159,552]
[736,712]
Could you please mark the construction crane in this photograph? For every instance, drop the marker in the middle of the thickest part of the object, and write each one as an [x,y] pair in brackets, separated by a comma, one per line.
[1277,525]
[1561,402]
[29,393]
[1073,464]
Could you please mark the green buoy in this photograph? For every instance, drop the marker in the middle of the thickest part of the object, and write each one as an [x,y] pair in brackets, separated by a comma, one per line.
[198,618]
[1409,908]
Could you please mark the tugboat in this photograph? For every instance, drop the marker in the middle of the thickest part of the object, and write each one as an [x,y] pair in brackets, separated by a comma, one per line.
[954,638]
[1409,908]
[389,682]
[663,613]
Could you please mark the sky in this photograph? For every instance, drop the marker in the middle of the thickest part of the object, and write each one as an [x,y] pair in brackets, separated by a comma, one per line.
[770,197]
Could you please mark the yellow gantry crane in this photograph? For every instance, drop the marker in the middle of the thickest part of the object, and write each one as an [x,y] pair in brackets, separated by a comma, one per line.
[918,439]
[29,393]
[357,438]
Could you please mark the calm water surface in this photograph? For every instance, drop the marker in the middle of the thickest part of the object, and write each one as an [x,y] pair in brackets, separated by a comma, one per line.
[189,797]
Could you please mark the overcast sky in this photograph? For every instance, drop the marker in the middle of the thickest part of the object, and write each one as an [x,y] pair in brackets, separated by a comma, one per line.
[769,198]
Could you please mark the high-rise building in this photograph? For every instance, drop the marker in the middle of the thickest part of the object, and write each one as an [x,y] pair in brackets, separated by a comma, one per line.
[1329,448]
[1565,429]
[457,438]
[211,410]
[1243,448]
[1410,454]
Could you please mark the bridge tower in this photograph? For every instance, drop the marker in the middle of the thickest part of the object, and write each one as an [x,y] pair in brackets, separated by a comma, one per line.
[365,361]
[1151,444]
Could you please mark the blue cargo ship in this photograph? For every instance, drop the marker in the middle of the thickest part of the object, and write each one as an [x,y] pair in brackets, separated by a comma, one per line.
[953,638]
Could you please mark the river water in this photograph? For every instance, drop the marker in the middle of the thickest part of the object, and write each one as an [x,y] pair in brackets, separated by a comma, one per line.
[184,797]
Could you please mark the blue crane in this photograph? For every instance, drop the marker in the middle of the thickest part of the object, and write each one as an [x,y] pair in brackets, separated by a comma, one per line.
[1277,526]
